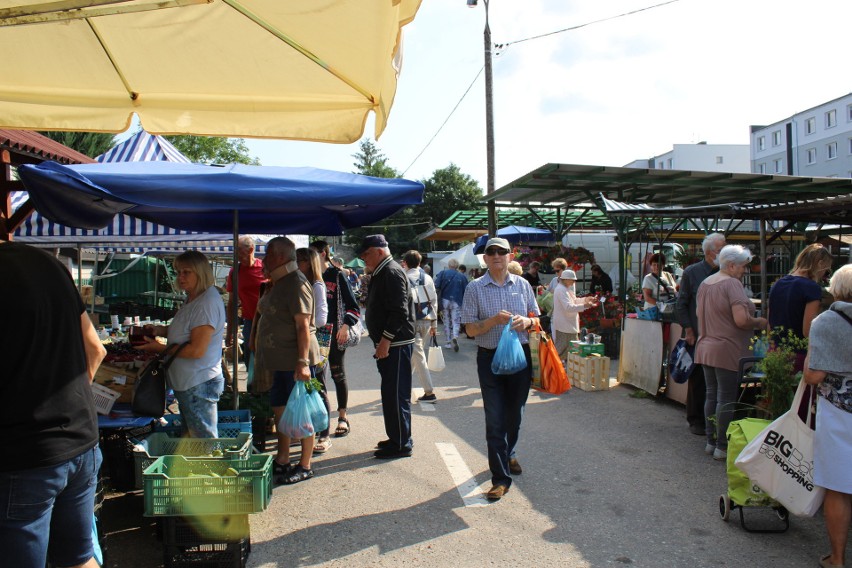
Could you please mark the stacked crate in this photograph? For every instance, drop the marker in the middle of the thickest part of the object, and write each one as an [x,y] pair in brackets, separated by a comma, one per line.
[204,505]
[588,373]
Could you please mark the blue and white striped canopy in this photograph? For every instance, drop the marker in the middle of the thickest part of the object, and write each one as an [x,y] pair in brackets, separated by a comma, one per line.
[143,147]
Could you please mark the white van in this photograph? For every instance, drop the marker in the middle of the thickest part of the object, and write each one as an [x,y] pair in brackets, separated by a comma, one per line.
[606,248]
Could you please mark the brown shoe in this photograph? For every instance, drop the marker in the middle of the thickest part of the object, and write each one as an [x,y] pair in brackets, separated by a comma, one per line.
[496,492]
[515,467]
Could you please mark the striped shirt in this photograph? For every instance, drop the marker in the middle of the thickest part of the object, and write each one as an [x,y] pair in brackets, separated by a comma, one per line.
[484,298]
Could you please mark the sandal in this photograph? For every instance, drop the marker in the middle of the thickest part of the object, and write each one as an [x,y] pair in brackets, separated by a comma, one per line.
[298,474]
[342,428]
[322,446]
[280,468]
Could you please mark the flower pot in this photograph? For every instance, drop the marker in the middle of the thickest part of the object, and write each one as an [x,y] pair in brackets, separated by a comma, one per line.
[609,323]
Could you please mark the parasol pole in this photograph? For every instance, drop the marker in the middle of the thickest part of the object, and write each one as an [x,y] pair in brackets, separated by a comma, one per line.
[234,306]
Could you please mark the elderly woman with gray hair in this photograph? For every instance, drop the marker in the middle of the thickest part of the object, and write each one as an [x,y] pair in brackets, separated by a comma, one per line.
[726,324]
[829,365]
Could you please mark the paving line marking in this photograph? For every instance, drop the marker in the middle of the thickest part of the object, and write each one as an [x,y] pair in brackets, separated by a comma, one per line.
[427,406]
[466,485]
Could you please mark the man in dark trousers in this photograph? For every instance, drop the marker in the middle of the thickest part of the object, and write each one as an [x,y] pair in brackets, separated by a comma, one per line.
[48,421]
[685,310]
[390,323]
[490,302]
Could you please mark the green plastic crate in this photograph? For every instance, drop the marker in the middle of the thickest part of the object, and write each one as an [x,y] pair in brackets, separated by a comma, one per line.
[175,485]
[147,450]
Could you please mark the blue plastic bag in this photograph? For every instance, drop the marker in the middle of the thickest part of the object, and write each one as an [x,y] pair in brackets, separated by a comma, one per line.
[319,415]
[681,361]
[296,422]
[509,357]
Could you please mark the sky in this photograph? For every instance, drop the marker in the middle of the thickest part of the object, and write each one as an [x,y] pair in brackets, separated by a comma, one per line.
[605,94]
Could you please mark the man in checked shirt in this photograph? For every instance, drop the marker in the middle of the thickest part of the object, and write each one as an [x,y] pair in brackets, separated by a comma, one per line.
[490,302]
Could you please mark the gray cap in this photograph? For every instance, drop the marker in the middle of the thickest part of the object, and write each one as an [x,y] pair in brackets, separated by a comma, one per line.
[498,242]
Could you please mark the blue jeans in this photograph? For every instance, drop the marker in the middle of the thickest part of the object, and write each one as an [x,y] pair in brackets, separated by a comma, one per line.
[199,408]
[395,371]
[503,398]
[49,505]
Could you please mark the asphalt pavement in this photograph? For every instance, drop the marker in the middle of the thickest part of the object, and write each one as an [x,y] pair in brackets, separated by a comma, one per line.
[609,479]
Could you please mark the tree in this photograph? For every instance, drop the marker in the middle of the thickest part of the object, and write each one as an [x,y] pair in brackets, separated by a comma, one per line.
[92,144]
[371,162]
[214,150]
[447,191]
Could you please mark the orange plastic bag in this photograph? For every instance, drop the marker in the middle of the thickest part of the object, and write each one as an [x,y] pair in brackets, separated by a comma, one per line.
[554,379]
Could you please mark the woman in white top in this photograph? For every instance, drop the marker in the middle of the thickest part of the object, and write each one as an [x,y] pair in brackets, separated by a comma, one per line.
[658,285]
[309,264]
[566,312]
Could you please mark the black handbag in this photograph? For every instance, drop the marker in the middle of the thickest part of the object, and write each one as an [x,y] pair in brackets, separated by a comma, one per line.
[149,392]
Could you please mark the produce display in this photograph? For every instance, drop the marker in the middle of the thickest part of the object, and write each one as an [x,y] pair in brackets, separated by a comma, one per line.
[123,352]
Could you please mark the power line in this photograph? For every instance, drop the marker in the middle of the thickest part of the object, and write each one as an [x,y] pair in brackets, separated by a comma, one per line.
[429,143]
[500,46]
[577,27]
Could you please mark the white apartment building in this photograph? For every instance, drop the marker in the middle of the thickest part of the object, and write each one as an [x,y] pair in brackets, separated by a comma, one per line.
[701,157]
[813,143]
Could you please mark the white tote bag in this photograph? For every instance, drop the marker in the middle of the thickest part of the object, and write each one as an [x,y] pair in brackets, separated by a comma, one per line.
[781,460]
[435,360]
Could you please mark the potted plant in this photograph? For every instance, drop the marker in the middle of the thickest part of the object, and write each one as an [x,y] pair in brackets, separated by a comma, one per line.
[776,370]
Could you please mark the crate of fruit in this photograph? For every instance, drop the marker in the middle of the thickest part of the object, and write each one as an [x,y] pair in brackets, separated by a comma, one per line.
[230,423]
[147,450]
[175,485]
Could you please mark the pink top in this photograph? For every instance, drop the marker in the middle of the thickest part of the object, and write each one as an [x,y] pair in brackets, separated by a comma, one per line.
[721,343]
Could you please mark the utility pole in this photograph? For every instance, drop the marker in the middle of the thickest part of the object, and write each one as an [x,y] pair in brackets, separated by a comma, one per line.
[489,122]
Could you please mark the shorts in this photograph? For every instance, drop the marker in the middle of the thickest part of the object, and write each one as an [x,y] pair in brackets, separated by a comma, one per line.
[282,385]
[51,505]
[199,408]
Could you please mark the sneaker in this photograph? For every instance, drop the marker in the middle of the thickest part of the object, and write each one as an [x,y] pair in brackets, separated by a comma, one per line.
[428,398]
[455,345]
[720,455]
[709,449]
[448,345]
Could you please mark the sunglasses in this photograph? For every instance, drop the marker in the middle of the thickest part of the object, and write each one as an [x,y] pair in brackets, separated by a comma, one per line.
[499,251]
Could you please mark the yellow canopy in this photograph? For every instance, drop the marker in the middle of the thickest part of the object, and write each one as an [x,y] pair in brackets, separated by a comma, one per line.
[296,69]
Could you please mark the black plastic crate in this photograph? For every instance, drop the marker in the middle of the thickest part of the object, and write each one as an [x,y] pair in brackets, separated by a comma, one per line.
[611,340]
[211,555]
[117,450]
[205,529]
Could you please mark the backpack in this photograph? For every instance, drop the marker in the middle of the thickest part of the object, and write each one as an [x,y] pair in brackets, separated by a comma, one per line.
[420,297]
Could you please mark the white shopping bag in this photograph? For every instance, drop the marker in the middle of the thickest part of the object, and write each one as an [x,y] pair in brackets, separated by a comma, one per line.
[435,359]
[781,461]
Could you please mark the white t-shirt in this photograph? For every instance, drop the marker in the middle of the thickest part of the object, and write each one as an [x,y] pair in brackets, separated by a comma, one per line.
[660,293]
[207,309]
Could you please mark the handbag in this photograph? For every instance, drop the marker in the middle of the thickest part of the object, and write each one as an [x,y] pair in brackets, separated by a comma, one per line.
[355,331]
[681,362]
[435,360]
[149,392]
[509,357]
[554,379]
[781,459]
[535,357]
[324,341]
